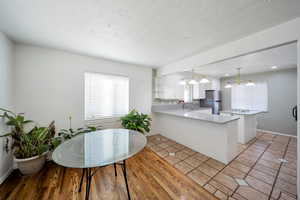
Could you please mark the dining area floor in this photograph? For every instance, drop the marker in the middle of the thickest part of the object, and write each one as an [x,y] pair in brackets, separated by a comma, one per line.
[149,177]
[264,169]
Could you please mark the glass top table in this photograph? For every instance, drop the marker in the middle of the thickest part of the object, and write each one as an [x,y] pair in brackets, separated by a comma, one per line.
[99,149]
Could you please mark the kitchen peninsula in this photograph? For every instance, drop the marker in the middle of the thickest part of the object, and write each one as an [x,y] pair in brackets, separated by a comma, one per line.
[213,135]
[246,123]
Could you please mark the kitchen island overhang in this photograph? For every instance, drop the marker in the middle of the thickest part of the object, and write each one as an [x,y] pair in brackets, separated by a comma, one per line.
[212,135]
[247,123]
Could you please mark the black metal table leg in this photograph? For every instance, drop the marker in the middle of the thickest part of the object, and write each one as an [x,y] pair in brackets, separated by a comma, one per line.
[87,172]
[88,183]
[115,169]
[81,180]
[125,177]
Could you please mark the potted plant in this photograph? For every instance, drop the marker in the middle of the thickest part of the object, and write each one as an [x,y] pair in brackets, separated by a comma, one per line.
[136,121]
[66,134]
[29,147]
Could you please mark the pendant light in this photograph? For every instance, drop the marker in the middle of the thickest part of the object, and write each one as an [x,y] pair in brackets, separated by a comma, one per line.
[204,80]
[250,83]
[228,85]
[238,81]
[182,82]
[193,80]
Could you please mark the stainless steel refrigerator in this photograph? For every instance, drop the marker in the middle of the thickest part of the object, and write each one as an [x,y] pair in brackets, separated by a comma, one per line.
[212,100]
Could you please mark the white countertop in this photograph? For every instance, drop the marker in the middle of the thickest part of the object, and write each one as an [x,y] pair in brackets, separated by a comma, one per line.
[195,114]
[243,112]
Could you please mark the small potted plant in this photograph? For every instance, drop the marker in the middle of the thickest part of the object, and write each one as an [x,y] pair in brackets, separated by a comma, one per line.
[29,147]
[136,121]
[66,134]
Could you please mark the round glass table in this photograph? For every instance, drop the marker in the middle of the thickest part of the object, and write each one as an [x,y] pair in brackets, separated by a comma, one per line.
[99,149]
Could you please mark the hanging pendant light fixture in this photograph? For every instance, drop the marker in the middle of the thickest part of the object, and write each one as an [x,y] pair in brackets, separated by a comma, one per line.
[228,85]
[238,81]
[193,80]
[182,82]
[204,80]
[250,83]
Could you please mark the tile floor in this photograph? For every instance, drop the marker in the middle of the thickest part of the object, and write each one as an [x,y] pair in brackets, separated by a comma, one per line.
[256,173]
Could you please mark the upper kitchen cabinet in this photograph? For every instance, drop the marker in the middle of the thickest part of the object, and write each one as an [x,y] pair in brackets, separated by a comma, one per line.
[199,89]
[168,87]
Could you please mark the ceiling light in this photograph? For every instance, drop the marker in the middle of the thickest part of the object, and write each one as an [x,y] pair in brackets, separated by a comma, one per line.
[250,83]
[182,82]
[226,74]
[274,67]
[193,82]
[228,85]
[238,81]
[204,80]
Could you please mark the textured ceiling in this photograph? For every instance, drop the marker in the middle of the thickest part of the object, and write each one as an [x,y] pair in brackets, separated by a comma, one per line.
[283,57]
[146,32]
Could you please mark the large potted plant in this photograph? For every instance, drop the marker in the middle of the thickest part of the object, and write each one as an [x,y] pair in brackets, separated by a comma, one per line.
[136,121]
[29,147]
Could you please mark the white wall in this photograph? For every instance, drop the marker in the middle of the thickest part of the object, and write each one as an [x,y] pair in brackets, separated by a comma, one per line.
[6,99]
[50,84]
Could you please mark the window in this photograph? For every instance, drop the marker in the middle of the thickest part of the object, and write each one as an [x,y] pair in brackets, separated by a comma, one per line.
[250,98]
[188,93]
[105,95]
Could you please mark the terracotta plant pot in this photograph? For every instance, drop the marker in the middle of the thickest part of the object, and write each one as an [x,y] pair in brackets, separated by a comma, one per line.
[31,165]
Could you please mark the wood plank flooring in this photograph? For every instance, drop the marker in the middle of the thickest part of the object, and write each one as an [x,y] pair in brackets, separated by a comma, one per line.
[149,177]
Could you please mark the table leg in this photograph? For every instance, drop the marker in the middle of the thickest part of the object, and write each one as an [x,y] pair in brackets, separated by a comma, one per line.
[88,174]
[125,177]
[115,169]
[88,183]
[81,180]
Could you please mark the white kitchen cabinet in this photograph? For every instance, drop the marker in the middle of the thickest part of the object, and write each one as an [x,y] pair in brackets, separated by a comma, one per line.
[157,87]
[196,92]
[199,90]
[167,87]
[215,84]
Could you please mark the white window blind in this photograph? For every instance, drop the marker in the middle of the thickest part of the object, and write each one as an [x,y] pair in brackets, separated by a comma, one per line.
[250,98]
[105,95]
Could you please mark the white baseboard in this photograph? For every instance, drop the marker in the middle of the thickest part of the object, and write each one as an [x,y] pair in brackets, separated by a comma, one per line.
[276,133]
[5,175]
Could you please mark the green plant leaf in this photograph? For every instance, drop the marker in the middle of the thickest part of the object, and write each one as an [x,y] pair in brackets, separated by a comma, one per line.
[27,121]
[6,135]
[7,111]
[136,121]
